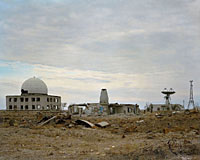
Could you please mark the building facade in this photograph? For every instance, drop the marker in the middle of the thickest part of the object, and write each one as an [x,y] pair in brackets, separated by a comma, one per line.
[34,96]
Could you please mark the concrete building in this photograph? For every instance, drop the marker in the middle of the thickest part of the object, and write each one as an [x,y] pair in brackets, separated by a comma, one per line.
[162,107]
[34,96]
[116,108]
[103,107]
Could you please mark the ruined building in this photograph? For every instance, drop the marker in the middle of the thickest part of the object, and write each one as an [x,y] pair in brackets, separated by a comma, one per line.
[103,107]
[34,96]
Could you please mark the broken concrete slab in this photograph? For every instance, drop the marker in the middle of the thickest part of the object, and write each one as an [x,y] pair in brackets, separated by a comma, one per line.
[85,123]
[45,122]
[102,124]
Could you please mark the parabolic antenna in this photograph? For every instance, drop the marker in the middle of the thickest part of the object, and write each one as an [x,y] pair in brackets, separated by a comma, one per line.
[167,93]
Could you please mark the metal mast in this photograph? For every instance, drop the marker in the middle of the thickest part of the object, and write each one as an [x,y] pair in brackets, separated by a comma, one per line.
[191,100]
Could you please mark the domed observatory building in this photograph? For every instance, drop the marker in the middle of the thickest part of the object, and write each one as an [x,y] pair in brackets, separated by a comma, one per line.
[34,96]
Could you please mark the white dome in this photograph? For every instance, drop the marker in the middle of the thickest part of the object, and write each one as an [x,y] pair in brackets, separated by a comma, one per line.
[34,85]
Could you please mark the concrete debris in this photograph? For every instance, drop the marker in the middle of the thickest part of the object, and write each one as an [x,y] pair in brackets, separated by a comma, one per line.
[102,124]
[45,122]
[159,115]
[141,121]
[85,123]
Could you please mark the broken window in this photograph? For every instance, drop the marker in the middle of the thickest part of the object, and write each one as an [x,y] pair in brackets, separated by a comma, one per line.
[38,106]
[33,107]
[10,106]
[38,99]
[26,107]
[33,99]
[15,99]
[26,99]
[22,99]
[15,107]
[22,107]
[10,99]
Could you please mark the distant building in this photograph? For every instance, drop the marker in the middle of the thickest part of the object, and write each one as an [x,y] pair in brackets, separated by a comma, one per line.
[103,107]
[163,107]
[34,96]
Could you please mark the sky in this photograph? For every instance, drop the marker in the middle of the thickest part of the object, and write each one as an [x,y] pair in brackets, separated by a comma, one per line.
[77,47]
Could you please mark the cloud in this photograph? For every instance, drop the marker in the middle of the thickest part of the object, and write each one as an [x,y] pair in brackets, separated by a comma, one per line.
[78,47]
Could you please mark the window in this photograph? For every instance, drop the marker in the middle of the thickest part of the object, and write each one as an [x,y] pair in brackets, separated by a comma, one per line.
[129,110]
[22,107]
[38,106]
[56,100]
[10,106]
[47,99]
[38,99]
[26,107]
[56,107]
[10,99]
[26,99]
[158,109]
[15,99]
[50,99]
[33,99]
[22,99]
[15,107]
[47,106]
[33,107]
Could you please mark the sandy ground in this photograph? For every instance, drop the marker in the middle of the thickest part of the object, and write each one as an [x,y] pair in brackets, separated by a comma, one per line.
[173,136]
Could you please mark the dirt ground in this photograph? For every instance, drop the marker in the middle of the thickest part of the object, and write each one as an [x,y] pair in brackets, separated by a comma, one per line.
[169,136]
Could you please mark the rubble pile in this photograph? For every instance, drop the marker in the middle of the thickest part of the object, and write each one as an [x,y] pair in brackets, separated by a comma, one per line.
[58,135]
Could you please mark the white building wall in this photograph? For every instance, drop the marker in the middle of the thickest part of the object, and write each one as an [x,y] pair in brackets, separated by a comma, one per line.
[33,102]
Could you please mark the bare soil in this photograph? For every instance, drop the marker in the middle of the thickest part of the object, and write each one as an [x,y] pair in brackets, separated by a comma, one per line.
[171,136]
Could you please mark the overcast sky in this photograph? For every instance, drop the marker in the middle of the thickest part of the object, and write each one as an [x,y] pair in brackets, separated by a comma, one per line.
[134,48]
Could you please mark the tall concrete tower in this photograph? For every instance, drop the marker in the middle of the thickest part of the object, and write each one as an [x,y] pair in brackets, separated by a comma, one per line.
[104,97]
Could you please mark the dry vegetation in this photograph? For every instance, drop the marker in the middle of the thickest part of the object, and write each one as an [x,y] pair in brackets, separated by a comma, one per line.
[172,136]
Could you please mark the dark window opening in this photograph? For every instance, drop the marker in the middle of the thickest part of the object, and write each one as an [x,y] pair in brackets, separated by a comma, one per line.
[38,99]
[24,91]
[10,99]
[22,107]
[10,107]
[47,99]
[15,99]
[22,99]
[26,99]
[50,99]
[26,107]
[33,106]
[158,109]
[33,99]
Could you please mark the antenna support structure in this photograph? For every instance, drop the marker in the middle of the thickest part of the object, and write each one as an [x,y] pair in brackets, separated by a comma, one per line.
[191,99]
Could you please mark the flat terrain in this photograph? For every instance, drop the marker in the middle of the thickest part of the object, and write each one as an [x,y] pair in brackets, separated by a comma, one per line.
[170,136]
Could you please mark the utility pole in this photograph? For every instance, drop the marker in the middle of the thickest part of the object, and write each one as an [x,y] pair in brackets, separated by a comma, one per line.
[191,99]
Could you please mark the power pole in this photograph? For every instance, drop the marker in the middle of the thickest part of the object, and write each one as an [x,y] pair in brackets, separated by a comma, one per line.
[191,100]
